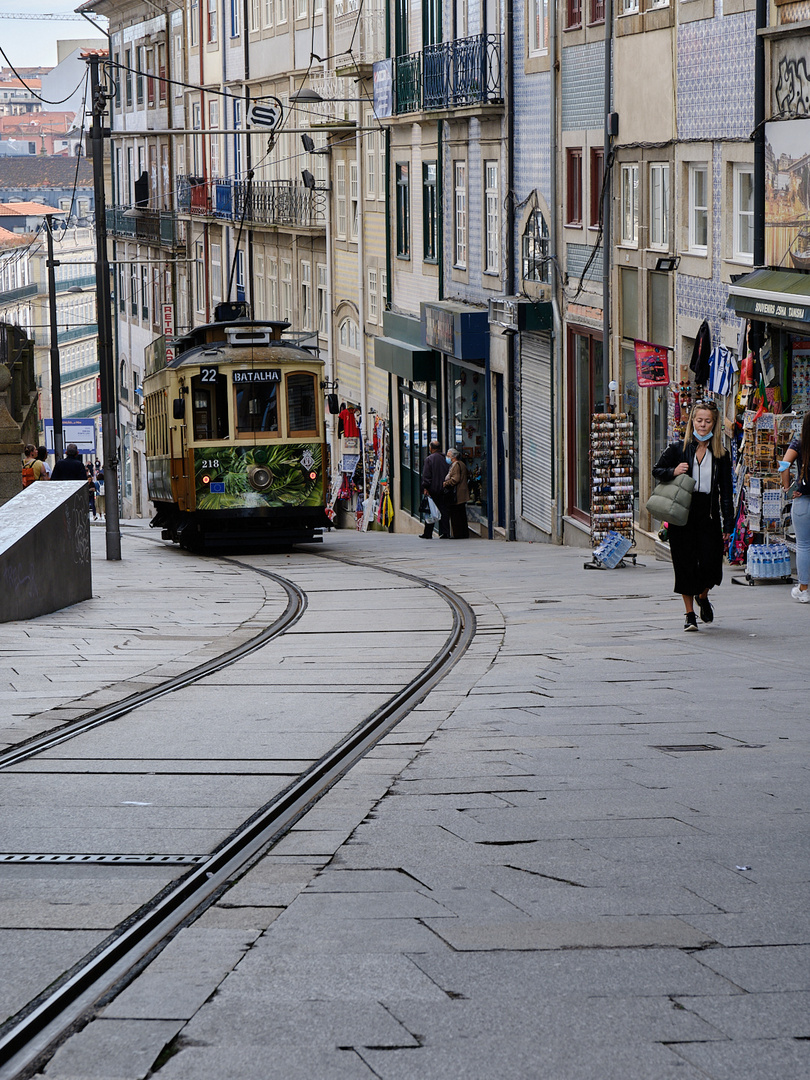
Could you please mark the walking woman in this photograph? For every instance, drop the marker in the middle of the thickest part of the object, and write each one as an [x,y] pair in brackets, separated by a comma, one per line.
[799,451]
[697,547]
[457,495]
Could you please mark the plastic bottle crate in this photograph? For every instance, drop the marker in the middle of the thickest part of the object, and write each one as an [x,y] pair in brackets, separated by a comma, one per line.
[767,562]
[612,550]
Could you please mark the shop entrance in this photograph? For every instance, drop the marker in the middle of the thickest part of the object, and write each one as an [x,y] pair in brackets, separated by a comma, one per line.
[419,417]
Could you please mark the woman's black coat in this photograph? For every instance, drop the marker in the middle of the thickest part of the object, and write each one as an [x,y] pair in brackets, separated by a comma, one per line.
[722,493]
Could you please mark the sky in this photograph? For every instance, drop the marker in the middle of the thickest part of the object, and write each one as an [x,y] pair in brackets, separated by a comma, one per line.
[31,41]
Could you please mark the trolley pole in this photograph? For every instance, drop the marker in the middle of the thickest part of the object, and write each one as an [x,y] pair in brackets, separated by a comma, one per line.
[98,97]
[56,379]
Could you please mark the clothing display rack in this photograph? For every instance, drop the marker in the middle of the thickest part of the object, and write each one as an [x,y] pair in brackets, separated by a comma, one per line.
[611,456]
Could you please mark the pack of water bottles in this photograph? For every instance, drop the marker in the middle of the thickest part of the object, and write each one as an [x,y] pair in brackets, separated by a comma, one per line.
[768,562]
[612,550]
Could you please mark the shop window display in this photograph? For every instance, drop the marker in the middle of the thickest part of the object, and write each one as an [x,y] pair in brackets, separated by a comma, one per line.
[466,396]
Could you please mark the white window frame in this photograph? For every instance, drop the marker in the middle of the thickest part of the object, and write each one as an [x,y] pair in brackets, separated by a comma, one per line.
[272,288]
[321,298]
[629,7]
[216,273]
[659,205]
[629,205]
[306,295]
[538,27]
[212,21]
[199,279]
[372,295]
[300,9]
[698,211]
[371,157]
[268,13]
[286,290]
[740,254]
[193,23]
[348,335]
[492,213]
[354,198]
[235,18]
[340,199]
[383,289]
[255,15]
[281,11]
[460,215]
[258,286]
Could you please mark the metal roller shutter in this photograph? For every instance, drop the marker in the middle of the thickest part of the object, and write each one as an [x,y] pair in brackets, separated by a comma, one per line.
[536,429]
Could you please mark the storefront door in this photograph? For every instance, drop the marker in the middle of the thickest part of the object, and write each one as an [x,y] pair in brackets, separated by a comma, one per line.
[418,410]
[586,395]
[468,432]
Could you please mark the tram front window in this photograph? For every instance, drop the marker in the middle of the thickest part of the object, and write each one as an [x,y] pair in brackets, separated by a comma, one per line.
[209,405]
[301,416]
[256,409]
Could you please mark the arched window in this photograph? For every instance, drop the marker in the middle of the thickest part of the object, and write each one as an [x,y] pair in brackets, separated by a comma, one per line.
[535,252]
[348,335]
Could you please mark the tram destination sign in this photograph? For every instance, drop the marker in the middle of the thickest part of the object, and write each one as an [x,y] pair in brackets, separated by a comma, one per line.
[262,375]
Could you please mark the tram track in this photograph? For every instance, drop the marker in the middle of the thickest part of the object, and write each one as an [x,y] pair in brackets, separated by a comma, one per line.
[29,1037]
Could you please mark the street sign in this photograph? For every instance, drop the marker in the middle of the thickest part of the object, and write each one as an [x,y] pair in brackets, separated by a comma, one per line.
[265,114]
[81,432]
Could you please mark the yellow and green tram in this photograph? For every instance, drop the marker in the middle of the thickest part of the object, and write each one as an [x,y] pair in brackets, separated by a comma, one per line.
[236,438]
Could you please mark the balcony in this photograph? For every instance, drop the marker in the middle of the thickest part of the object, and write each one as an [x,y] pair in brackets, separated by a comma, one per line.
[152,226]
[359,32]
[76,332]
[279,202]
[450,75]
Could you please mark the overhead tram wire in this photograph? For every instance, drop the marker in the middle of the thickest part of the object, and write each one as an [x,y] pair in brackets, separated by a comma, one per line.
[33,92]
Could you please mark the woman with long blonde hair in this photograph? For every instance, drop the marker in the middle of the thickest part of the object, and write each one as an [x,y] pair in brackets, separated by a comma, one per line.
[697,547]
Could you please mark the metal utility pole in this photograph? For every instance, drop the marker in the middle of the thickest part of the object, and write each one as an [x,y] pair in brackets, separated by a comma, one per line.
[109,402]
[759,136]
[56,379]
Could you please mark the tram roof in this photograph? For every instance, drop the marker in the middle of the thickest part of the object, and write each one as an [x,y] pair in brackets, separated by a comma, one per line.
[239,340]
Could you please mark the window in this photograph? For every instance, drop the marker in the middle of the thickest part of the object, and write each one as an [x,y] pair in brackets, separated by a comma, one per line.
[628,279]
[460,214]
[698,209]
[122,289]
[282,11]
[212,20]
[573,186]
[585,397]
[133,290]
[629,7]
[354,197]
[145,293]
[538,27]
[535,249]
[340,197]
[267,13]
[235,17]
[213,124]
[597,179]
[430,212]
[744,213]
[239,276]
[382,186]
[573,13]
[141,55]
[255,15]
[162,84]
[403,211]
[216,273]
[371,156]
[306,295]
[629,205]
[301,415]
[321,299]
[659,206]
[256,408]
[238,145]
[348,335]
[300,9]
[383,288]
[209,408]
[286,290]
[193,22]
[272,288]
[659,303]
[258,286]
[178,66]
[128,75]
[372,295]
[492,209]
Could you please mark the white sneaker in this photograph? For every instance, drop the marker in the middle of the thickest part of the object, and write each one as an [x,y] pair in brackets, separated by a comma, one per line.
[802,595]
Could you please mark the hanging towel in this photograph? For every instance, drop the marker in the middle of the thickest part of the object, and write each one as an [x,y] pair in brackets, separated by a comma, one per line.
[722,366]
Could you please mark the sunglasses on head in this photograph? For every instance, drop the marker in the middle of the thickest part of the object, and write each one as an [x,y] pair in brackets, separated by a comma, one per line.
[706,403]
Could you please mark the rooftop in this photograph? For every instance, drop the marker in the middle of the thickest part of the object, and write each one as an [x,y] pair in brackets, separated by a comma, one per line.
[36,171]
[25,209]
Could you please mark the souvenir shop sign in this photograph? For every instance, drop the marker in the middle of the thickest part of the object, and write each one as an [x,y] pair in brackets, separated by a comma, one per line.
[652,364]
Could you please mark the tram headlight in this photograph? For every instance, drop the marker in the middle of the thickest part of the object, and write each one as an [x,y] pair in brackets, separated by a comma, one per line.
[259,477]
[206,479]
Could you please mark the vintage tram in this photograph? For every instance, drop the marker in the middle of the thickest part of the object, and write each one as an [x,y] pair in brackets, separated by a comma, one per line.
[235,436]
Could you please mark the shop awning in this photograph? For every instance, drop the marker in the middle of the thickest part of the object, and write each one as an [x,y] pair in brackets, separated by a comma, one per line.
[779,296]
[414,363]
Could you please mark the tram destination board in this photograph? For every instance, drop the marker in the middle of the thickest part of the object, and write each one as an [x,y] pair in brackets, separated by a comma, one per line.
[263,375]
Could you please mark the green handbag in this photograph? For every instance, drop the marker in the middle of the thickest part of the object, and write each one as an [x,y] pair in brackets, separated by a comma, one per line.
[671,500]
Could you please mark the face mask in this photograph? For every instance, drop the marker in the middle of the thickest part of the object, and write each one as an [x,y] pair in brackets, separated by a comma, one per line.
[703,438]
[449,460]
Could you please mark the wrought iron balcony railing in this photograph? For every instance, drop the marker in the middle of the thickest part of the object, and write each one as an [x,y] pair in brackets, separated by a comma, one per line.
[278,202]
[141,223]
[451,74]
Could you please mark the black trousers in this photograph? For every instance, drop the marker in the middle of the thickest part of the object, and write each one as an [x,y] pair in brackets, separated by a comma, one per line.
[458,521]
[697,549]
[444,519]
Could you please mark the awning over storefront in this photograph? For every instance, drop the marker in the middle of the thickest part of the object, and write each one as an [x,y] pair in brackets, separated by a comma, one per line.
[775,296]
[411,362]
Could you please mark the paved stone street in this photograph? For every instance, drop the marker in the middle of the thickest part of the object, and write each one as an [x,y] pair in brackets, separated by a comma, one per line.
[583,857]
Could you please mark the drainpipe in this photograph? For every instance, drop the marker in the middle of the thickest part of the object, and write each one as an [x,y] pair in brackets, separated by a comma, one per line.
[759,137]
[509,284]
[557,336]
[607,191]
[361,290]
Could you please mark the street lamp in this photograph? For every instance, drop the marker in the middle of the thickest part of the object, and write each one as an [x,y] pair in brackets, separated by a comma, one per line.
[56,381]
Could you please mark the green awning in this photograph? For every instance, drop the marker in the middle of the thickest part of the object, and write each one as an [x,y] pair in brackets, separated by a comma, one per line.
[414,363]
[780,296]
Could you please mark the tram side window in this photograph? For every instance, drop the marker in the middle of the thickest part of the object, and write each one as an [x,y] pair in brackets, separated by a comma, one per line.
[209,407]
[257,409]
[301,412]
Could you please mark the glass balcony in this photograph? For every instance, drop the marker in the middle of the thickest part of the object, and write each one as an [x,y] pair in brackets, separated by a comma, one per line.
[451,74]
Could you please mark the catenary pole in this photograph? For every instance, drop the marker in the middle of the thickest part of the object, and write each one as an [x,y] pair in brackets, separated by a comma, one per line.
[56,378]
[98,97]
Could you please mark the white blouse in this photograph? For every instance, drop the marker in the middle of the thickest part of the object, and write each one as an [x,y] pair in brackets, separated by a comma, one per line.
[702,473]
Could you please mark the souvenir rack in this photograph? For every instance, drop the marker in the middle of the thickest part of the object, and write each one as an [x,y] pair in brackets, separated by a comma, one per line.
[611,459]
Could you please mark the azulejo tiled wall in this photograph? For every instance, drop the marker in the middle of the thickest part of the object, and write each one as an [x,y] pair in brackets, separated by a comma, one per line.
[716,77]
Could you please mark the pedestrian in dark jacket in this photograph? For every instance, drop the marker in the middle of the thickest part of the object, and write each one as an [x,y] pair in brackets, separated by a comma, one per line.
[70,466]
[434,474]
[697,547]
